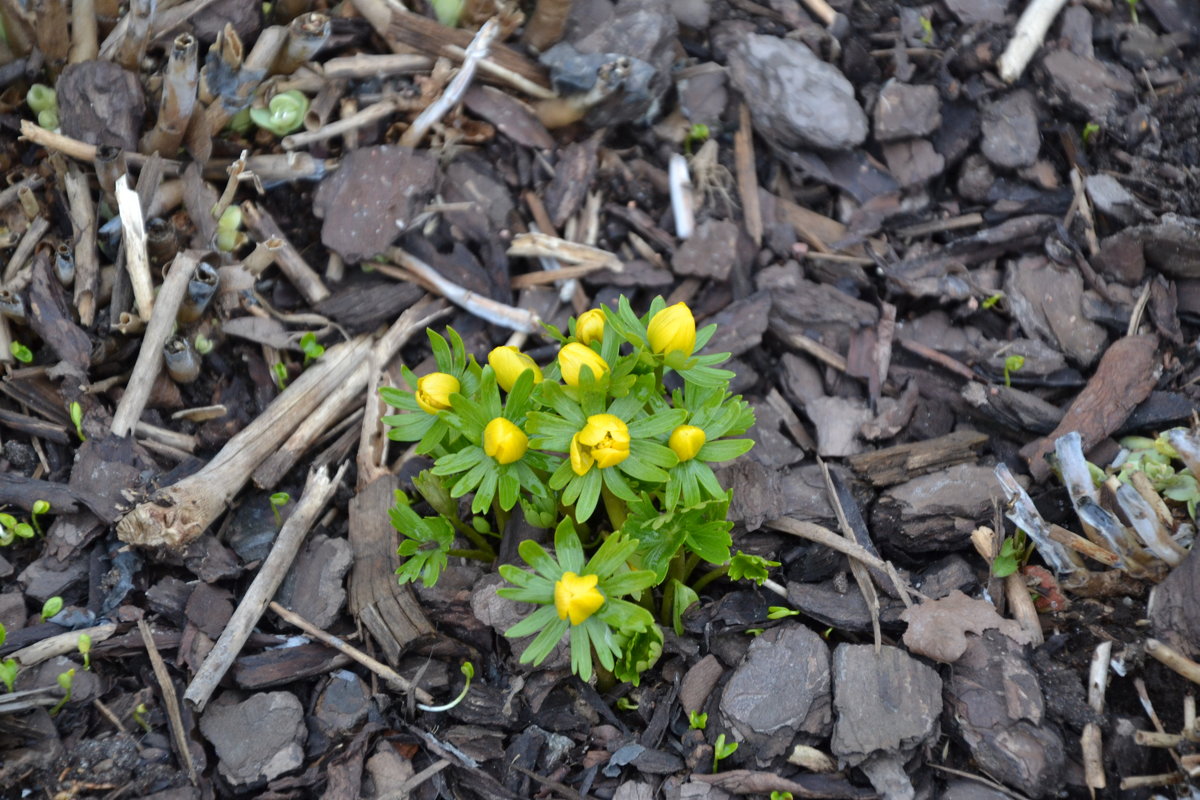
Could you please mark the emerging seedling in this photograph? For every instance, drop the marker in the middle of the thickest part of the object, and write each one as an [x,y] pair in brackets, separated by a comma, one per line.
[8,672]
[77,420]
[625,704]
[1012,364]
[722,750]
[697,721]
[84,644]
[468,671]
[1089,132]
[139,717]
[278,501]
[20,352]
[280,371]
[40,508]
[777,795]
[311,347]
[66,680]
[781,612]
[51,607]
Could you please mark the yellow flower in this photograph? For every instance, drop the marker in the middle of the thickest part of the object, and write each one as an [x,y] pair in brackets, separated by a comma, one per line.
[686,441]
[434,390]
[573,356]
[510,364]
[673,328]
[604,441]
[590,326]
[504,441]
[576,596]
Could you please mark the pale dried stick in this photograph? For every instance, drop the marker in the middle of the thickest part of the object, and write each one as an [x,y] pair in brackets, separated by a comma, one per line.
[158,329]
[683,200]
[1021,510]
[1021,606]
[439,108]
[62,644]
[1027,37]
[24,249]
[543,245]
[179,513]
[137,34]
[263,227]
[861,576]
[82,211]
[368,65]
[1090,741]
[319,489]
[137,261]
[506,316]
[306,35]
[180,82]
[372,113]
[84,38]
[170,700]
[1173,659]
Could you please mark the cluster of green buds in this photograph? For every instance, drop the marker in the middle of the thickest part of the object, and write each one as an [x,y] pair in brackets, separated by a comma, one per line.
[1157,459]
[611,444]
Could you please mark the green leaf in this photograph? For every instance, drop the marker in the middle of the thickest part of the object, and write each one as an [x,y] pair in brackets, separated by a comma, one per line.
[724,449]
[614,552]
[589,494]
[747,567]
[568,548]
[683,599]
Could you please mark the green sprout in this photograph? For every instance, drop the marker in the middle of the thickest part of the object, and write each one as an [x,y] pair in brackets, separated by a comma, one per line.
[1089,132]
[625,704]
[778,795]
[202,344]
[84,643]
[278,500]
[468,671]
[280,371]
[140,711]
[40,508]
[754,631]
[697,721]
[926,30]
[448,11]
[1012,364]
[51,607]
[1133,11]
[1014,552]
[229,234]
[284,113]
[43,102]
[722,750]
[992,300]
[8,672]
[781,612]
[11,529]
[311,348]
[751,568]
[65,681]
[427,543]
[697,135]
[20,352]
[77,419]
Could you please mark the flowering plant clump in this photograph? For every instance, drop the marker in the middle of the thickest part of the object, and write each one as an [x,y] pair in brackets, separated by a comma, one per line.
[596,447]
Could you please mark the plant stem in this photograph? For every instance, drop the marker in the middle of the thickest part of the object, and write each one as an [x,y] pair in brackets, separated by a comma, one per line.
[708,578]
[615,506]
[478,555]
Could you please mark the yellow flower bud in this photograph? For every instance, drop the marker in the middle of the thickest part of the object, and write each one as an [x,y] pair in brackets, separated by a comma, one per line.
[434,390]
[576,597]
[510,364]
[686,441]
[574,356]
[504,441]
[604,441]
[673,328]
[590,326]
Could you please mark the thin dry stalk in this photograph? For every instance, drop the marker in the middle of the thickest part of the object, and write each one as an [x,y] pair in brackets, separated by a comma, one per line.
[506,316]
[137,261]
[389,675]
[747,175]
[543,245]
[306,34]
[80,151]
[318,491]
[264,228]
[12,193]
[1090,741]
[861,576]
[170,700]
[158,330]
[367,65]
[181,512]
[263,256]
[1021,606]
[85,43]
[6,356]
[137,34]
[165,22]
[323,104]
[82,211]
[62,644]
[1172,658]
[181,80]
[372,113]
[1027,37]
[24,249]
[683,198]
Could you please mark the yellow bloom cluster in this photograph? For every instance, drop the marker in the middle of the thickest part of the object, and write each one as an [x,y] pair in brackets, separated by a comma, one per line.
[604,441]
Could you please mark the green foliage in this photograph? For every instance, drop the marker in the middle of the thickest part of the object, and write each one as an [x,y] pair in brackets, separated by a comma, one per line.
[40,508]
[447,11]
[140,711]
[20,352]
[311,348]
[1133,11]
[202,344]
[280,371]
[11,529]
[278,500]
[750,568]
[229,234]
[1157,460]
[595,446]
[84,645]
[65,681]
[1089,132]
[1012,364]
[1014,553]
[284,113]
[8,672]
[697,135]
[697,721]
[722,750]
[625,704]
[76,412]
[778,795]
[991,301]
[52,606]
[468,671]
[781,612]
[926,30]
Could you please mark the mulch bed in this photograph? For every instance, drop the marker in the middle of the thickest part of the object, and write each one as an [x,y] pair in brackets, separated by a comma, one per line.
[933,267]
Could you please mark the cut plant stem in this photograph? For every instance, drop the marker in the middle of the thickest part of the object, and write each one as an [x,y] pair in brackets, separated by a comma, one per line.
[439,108]
[180,81]
[132,49]
[306,34]
[85,42]
[264,228]
[1023,514]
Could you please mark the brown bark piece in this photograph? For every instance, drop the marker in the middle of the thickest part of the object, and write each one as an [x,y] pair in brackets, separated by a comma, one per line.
[388,610]
[572,176]
[1125,377]
[904,462]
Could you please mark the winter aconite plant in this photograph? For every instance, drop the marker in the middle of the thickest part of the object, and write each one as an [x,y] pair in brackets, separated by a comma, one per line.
[595,447]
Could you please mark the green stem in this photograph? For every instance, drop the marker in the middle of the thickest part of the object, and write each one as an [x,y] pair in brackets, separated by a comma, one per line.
[616,508]
[689,566]
[477,539]
[705,580]
[479,555]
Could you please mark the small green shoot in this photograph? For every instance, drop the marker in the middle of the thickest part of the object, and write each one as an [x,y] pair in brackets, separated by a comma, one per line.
[778,795]
[625,704]
[8,672]
[468,671]
[1013,363]
[20,352]
[781,612]
[52,606]
[697,135]
[697,721]
[40,508]
[139,717]
[77,420]
[1014,552]
[748,567]
[84,643]
[311,347]
[722,750]
[1089,132]
[926,31]
[755,631]
[1133,12]
[203,345]
[66,680]
[280,371]
[278,501]
[3,634]
[991,302]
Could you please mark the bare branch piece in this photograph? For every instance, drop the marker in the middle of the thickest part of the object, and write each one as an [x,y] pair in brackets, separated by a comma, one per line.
[543,245]
[318,491]
[82,210]
[1174,659]
[683,199]
[137,34]
[85,43]
[365,65]
[181,512]
[1028,37]
[170,700]
[1090,741]
[506,316]
[137,262]
[450,98]
[372,113]
[149,360]
[264,228]
[306,35]
[62,644]
[181,80]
